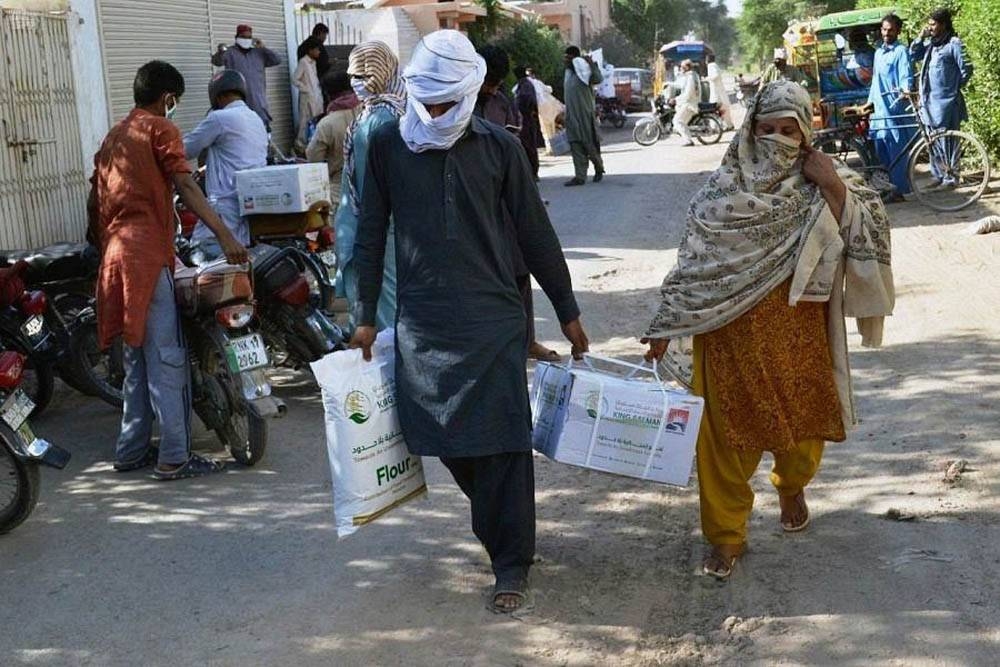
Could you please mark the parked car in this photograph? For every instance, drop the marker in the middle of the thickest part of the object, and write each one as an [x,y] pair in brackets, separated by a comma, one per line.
[639,94]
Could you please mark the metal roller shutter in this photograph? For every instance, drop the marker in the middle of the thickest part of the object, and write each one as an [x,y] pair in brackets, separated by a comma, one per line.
[134,32]
[267,17]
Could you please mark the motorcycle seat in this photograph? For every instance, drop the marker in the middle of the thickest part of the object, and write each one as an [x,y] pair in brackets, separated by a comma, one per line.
[708,106]
[59,261]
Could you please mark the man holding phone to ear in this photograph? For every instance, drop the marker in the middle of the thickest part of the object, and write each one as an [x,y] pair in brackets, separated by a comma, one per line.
[251,58]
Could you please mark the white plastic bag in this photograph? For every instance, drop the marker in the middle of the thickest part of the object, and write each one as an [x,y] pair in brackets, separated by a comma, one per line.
[373,471]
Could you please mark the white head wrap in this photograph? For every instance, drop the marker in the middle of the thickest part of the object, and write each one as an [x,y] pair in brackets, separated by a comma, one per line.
[780,54]
[444,68]
[582,69]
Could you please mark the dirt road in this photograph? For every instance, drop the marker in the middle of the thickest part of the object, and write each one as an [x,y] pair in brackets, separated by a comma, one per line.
[246,569]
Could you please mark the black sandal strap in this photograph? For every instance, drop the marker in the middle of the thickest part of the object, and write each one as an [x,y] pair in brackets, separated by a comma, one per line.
[195,466]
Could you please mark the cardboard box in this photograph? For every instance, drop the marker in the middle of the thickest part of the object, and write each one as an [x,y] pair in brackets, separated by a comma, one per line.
[610,423]
[287,188]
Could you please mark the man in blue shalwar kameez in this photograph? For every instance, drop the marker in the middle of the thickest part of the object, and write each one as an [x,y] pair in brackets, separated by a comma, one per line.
[946,69]
[892,74]
[446,179]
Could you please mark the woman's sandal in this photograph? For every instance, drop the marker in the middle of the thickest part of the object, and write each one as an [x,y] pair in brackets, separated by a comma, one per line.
[791,527]
[517,589]
[721,566]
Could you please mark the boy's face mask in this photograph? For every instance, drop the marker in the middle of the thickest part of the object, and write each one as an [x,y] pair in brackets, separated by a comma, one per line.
[171,106]
[244,42]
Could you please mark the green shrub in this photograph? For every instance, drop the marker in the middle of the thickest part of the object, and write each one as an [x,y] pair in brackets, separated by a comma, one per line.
[976,23]
[532,44]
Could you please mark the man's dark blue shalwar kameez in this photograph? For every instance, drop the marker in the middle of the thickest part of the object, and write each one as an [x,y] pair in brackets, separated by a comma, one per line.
[460,326]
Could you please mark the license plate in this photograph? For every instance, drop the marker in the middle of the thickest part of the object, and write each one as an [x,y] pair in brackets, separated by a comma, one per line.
[246,353]
[329,258]
[34,327]
[15,410]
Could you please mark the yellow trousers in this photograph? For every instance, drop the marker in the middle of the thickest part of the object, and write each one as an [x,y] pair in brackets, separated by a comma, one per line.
[724,472]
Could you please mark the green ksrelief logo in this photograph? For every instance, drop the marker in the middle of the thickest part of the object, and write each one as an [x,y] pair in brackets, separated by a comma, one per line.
[357,407]
[593,403]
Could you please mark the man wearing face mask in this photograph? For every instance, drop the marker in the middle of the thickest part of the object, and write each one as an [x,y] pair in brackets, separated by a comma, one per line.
[139,165]
[251,58]
[234,138]
[446,177]
[780,245]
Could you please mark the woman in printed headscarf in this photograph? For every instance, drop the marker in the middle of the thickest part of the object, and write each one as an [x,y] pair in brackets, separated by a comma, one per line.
[779,248]
[374,72]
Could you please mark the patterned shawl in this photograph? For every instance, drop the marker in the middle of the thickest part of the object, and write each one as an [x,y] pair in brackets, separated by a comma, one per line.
[756,223]
[376,61]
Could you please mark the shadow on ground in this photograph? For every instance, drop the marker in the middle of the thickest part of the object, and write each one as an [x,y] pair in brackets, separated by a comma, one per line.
[216,558]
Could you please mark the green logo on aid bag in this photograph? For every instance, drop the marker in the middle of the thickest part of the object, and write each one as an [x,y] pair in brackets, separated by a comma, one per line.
[357,407]
[593,403]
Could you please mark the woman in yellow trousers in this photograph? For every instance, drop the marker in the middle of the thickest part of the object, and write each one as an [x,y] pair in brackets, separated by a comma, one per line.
[779,248]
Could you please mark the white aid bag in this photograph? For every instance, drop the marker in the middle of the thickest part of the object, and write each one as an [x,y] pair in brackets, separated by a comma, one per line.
[373,471]
[615,423]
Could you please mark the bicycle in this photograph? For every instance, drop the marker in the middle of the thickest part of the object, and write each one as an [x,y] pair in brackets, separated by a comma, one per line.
[947,169]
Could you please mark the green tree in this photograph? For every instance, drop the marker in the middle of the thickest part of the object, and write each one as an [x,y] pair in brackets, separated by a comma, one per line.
[712,23]
[763,22]
[619,50]
[651,23]
[486,28]
[535,45]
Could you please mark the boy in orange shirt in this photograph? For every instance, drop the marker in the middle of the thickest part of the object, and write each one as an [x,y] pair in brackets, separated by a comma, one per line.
[139,164]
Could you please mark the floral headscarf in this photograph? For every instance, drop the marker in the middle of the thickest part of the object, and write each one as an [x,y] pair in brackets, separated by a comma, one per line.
[375,61]
[757,222]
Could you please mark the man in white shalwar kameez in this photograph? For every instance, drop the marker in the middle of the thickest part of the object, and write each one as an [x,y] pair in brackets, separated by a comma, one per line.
[686,102]
[718,94]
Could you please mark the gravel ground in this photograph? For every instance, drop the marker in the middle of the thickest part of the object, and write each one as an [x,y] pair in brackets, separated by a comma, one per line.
[245,568]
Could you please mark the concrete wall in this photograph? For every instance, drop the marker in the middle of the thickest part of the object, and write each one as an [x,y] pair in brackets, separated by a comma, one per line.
[566,14]
[88,72]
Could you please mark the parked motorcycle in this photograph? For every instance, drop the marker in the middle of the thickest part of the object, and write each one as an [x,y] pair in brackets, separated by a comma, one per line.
[229,388]
[21,451]
[23,329]
[295,331]
[705,126]
[310,233]
[611,110]
[67,273]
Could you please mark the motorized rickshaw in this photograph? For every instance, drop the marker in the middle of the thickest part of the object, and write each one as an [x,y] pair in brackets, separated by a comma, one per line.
[674,53]
[845,55]
[800,45]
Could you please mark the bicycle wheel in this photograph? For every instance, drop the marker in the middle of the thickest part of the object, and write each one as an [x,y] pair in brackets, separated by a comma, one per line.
[950,172]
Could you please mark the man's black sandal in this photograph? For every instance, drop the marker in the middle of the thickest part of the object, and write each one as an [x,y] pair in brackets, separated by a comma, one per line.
[195,466]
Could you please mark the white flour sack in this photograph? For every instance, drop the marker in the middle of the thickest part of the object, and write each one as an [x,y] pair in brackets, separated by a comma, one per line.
[373,471]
